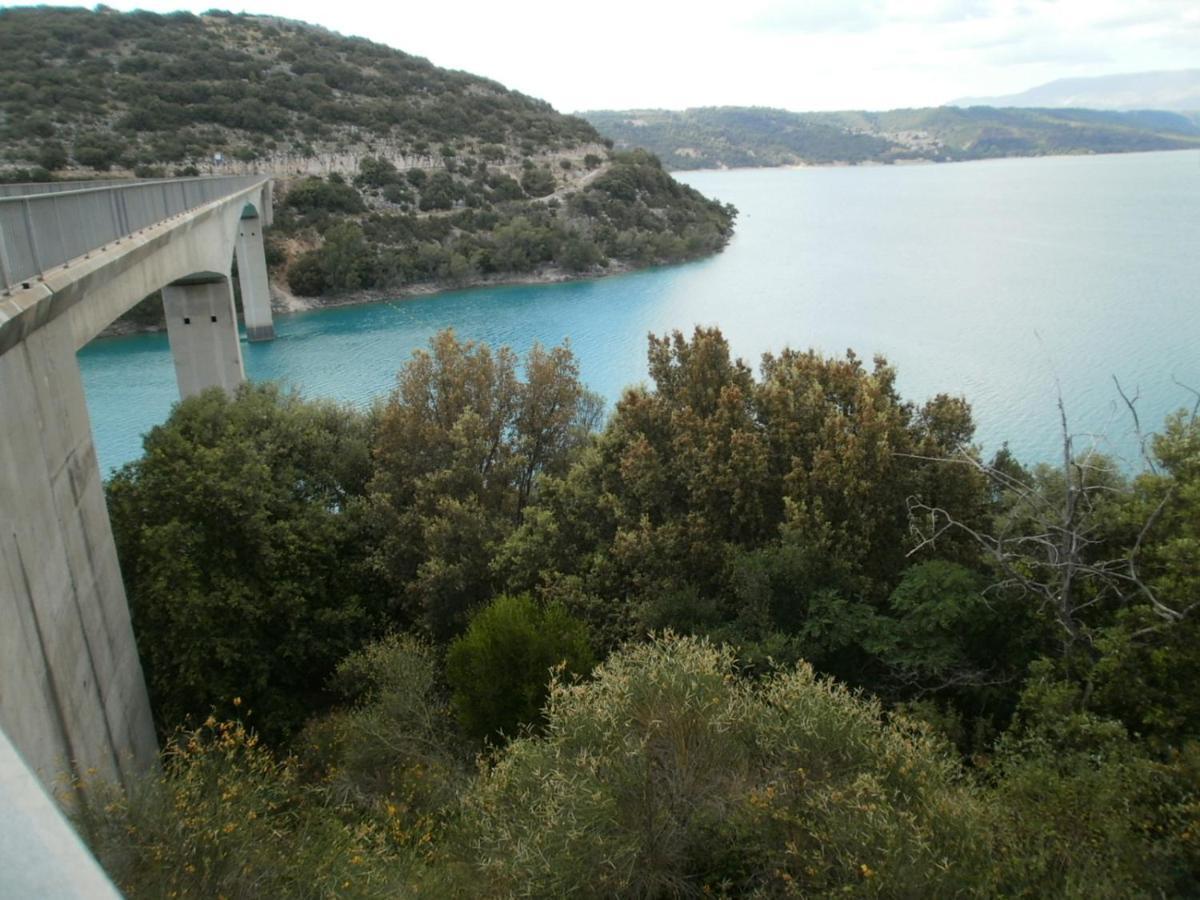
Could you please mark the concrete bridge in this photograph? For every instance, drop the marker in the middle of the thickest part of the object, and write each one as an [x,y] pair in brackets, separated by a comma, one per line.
[73,258]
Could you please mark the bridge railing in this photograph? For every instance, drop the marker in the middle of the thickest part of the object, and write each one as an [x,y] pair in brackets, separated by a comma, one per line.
[57,187]
[41,231]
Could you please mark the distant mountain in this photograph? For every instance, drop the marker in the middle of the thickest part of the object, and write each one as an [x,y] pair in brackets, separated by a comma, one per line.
[734,136]
[1178,90]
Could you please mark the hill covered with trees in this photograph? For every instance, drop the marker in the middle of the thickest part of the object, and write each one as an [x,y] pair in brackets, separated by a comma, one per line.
[763,632]
[391,171]
[731,136]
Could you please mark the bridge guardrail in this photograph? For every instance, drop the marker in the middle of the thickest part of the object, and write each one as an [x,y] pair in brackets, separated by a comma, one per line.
[28,188]
[39,232]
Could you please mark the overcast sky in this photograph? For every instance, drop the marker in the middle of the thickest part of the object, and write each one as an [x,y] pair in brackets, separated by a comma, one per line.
[821,54]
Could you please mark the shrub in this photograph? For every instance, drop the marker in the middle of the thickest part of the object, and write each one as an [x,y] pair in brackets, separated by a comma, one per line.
[669,775]
[1083,810]
[395,748]
[500,669]
[306,276]
[312,195]
[228,819]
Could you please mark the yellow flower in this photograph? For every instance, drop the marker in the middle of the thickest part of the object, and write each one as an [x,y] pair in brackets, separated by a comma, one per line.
[867,871]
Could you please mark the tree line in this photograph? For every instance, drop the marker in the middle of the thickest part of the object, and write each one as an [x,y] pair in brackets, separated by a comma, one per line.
[765,633]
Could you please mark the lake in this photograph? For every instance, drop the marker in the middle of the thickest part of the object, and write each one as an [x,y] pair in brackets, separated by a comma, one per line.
[1005,281]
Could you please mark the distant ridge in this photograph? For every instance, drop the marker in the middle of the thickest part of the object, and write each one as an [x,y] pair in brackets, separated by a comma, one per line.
[733,137]
[1177,90]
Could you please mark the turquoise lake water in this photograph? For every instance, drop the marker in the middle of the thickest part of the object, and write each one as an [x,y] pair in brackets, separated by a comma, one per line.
[1003,281]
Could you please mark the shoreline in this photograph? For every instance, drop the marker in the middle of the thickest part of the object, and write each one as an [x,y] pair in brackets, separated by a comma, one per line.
[284,302]
[870,163]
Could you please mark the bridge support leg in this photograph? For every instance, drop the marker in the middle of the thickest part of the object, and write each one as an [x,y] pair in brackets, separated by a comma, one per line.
[202,330]
[252,277]
[72,697]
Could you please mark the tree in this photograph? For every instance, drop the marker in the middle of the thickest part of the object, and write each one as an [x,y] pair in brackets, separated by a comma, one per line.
[753,502]
[347,260]
[52,156]
[1056,542]
[306,276]
[241,540]
[538,182]
[463,444]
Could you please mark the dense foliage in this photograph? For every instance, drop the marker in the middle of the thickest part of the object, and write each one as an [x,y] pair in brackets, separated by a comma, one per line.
[839,652]
[107,89]
[709,137]
[241,542]
[498,669]
[481,223]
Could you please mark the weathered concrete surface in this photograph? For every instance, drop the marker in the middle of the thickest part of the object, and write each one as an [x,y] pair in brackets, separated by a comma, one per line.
[40,854]
[252,278]
[202,330]
[72,695]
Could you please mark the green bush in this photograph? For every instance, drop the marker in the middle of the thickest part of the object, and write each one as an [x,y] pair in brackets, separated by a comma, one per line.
[500,669]
[312,195]
[669,774]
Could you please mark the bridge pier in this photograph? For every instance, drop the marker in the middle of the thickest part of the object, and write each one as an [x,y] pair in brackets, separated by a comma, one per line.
[202,331]
[72,695]
[252,278]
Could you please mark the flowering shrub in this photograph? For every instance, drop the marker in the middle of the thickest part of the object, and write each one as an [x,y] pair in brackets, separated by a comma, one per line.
[227,818]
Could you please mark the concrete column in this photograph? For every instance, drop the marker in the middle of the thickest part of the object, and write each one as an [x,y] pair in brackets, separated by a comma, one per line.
[72,697]
[252,277]
[202,330]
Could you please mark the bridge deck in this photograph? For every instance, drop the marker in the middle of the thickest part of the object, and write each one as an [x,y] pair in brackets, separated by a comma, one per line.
[42,231]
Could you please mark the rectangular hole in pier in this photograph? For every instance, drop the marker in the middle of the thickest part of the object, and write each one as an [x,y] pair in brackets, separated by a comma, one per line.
[187,321]
[214,318]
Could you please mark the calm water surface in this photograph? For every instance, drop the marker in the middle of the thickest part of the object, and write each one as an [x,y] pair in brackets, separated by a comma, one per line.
[996,280]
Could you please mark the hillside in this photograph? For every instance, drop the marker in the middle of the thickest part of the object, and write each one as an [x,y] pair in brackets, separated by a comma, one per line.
[1177,90]
[393,173]
[716,137]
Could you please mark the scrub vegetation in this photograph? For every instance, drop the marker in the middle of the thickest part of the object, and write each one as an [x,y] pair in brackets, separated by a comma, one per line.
[760,632]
